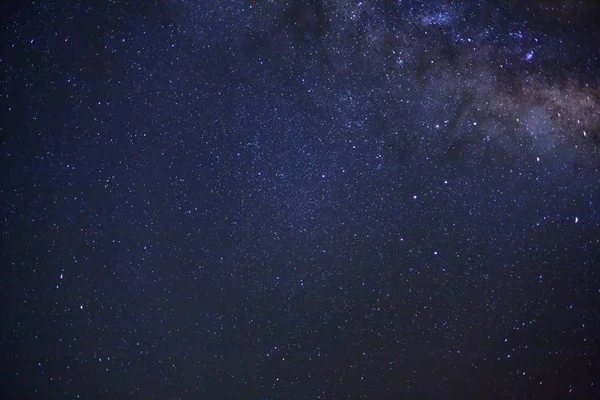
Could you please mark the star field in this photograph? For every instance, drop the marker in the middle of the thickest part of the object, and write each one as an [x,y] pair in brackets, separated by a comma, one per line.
[302,199]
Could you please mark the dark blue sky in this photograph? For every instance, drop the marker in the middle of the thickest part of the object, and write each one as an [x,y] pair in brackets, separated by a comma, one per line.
[302,199]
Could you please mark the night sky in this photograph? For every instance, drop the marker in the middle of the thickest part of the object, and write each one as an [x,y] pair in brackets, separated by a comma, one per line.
[300,199]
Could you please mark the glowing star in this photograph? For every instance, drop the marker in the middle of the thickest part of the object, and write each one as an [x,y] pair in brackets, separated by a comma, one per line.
[529,56]
[576,220]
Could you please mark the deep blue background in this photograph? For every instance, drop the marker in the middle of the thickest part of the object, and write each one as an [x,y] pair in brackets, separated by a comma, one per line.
[319,199]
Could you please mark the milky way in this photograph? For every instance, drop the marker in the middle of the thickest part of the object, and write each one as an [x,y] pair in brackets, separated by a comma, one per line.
[300,199]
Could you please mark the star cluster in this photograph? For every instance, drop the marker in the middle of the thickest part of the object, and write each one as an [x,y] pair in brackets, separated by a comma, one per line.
[301,199]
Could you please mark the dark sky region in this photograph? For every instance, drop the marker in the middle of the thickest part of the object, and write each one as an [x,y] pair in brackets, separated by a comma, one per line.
[300,200]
